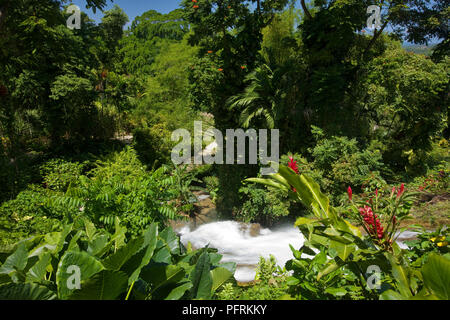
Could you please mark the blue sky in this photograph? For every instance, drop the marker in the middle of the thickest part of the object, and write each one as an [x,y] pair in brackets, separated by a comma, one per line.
[132,8]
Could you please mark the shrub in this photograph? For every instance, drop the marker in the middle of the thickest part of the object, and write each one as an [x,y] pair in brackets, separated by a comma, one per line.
[270,282]
[341,162]
[262,205]
[426,243]
[212,185]
[121,187]
[28,215]
[58,174]
[153,144]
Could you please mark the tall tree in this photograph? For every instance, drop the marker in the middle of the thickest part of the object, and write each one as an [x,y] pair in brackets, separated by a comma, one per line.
[45,76]
[228,34]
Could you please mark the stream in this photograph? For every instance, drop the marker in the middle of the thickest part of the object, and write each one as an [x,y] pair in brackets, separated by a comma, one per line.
[235,242]
[244,243]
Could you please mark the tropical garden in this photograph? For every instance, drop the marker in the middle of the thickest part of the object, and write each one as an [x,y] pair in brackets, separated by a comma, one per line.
[89,195]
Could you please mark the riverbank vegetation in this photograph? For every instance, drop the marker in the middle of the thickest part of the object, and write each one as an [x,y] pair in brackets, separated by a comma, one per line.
[86,118]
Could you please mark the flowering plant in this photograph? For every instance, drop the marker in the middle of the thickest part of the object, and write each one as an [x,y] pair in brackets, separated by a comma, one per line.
[380,216]
[343,250]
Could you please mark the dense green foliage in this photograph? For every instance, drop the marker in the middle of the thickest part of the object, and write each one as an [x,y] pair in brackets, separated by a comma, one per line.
[341,268]
[153,265]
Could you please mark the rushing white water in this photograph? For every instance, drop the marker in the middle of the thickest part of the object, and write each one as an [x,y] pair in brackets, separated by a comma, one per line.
[237,245]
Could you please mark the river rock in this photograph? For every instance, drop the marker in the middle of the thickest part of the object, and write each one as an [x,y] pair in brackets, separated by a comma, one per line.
[253,229]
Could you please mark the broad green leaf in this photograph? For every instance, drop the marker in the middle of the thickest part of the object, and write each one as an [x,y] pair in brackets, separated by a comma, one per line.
[171,240]
[337,236]
[330,267]
[268,182]
[62,239]
[162,256]
[318,197]
[25,291]
[301,221]
[90,229]
[201,278]
[401,275]
[105,285]
[296,253]
[281,180]
[436,276]
[354,230]
[320,258]
[230,266]
[39,270]
[73,245]
[215,258]
[119,235]
[219,277]
[161,275]
[97,245]
[88,267]
[116,260]
[134,265]
[392,295]
[343,250]
[317,239]
[338,292]
[179,291]
[15,262]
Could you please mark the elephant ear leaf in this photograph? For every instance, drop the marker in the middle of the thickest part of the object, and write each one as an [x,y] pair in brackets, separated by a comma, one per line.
[436,276]
[15,262]
[74,268]
[170,240]
[142,258]
[201,278]
[219,277]
[25,291]
[39,270]
[123,254]
[160,277]
[105,285]
[179,291]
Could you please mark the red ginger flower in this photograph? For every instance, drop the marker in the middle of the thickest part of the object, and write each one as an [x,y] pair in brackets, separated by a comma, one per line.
[402,189]
[372,222]
[350,193]
[293,165]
